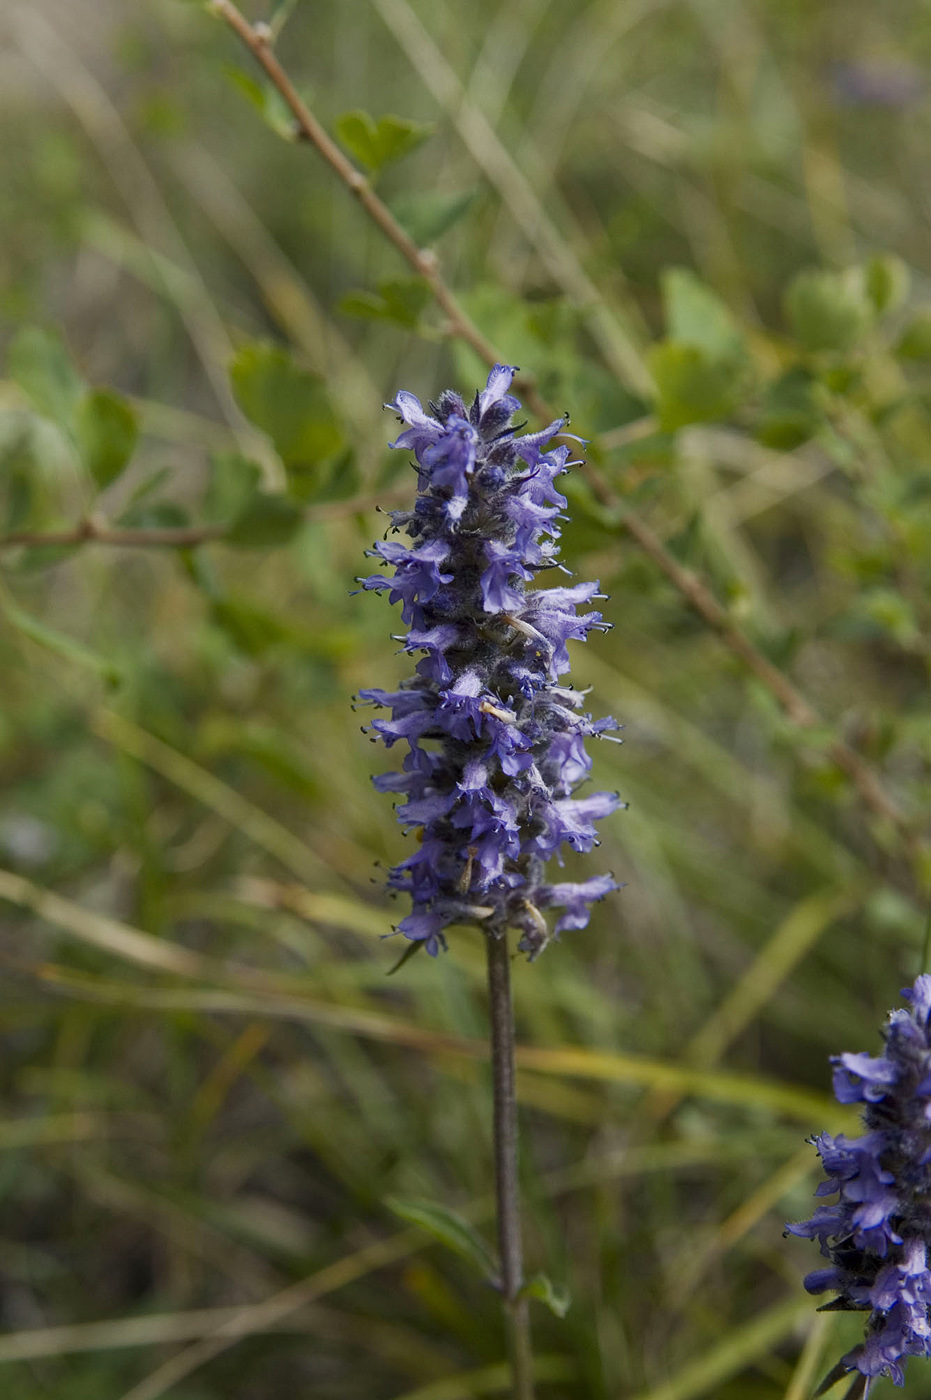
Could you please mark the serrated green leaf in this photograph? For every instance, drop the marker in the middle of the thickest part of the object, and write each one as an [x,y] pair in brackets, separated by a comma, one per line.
[692,386]
[107,428]
[264,521]
[450,1229]
[40,364]
[58,642]
[286,401]
[378,143]
[426,217]
[828,310]
[553,1296]
[232,483]
[402,302]
[696,315]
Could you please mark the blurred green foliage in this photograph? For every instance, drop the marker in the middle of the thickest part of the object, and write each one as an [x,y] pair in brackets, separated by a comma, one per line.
[722,270]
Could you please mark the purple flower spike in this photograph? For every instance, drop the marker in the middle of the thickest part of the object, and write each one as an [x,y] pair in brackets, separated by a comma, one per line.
[877,1234]
[495,741]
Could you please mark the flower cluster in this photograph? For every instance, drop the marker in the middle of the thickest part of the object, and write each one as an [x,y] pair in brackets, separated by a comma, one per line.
[495,737]
[877,1234]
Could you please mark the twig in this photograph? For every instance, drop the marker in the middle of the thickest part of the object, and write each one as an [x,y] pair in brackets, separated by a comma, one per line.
[507,1181]
[91,532]
[799,710]
[424,262]
[96,531]
[256,1317]
[692,588]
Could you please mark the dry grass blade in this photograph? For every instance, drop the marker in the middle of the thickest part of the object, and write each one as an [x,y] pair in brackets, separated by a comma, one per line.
[334,909]
[45,47]
[257,825]
[184,1326]
[741,1221]
[285,293]
[97,929]
[486,149]
[259,1316]
[573,1061]
[794,937]
[743,1346]
[155,1330]
[271,995]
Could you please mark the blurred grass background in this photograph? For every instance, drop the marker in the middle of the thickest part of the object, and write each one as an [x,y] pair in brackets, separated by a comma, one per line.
[210,1089]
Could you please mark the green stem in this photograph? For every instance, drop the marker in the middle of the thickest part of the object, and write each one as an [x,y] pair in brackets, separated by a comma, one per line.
[507,1183]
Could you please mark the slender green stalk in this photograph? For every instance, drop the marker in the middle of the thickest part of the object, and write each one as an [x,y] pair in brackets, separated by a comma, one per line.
[507,1182]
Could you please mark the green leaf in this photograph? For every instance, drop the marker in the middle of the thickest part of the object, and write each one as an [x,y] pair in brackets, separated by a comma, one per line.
[692,386]
[141,503]
[426,217]
[450,1229]
[232,483]
[58,642]
[887,280]
[696,316]
[790,411]
[377,143]
[402,302]
[553,1296]
[286,401]
[731,1354]
[265,520]
[828,310]
[155,515]
[266,100]
[39,363]
[107,429]
[915,341]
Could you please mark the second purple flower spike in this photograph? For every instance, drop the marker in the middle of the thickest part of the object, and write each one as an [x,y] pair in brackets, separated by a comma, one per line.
[495,736]
[876,1235]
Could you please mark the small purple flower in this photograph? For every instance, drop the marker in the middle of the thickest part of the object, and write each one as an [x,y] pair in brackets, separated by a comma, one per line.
[495,742]
[878,1232]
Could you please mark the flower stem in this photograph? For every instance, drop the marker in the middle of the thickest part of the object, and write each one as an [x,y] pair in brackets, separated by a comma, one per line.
[507,1184]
